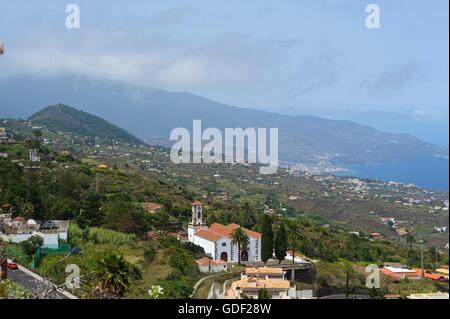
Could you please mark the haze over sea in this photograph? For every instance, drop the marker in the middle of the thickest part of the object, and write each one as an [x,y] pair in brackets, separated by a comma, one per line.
[427,174]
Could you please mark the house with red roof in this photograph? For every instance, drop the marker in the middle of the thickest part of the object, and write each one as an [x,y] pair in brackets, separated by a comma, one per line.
[216,239]
[151,207]
[429,275]
[399,273]
[207,265]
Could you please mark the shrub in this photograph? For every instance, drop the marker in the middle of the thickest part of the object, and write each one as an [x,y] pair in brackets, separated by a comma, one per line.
[149,252]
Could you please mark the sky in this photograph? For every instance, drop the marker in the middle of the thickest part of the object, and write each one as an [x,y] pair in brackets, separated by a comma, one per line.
[291,56]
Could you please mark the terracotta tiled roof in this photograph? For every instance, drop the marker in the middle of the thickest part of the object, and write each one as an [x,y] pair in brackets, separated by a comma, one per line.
[375,234]
[208,235]
[399,272]
[217,231]
[429,275]
[263,271]
[254,283]
[152,207]
[196,202]
[206,261]
[228,230]
[220,229]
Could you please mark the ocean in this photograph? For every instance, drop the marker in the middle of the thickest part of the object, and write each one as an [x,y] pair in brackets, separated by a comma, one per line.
[432,174]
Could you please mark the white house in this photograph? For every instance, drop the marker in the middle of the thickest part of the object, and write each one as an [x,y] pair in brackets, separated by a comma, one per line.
[207,265]
[300,259]
[216,239]
[250,287]
[17,230]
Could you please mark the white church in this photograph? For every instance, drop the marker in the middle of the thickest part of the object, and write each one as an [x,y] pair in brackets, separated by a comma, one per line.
[216,239]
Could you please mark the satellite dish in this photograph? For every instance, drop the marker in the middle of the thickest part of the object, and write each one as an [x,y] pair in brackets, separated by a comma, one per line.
[2,49]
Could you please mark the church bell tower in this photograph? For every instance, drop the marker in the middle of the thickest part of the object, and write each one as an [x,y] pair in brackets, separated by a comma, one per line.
[196,220]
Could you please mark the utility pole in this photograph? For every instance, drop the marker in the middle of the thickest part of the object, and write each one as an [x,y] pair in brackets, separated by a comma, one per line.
[421,256]
[435,258]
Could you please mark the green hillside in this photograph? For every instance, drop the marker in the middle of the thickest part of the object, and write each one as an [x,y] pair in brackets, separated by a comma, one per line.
[61,117]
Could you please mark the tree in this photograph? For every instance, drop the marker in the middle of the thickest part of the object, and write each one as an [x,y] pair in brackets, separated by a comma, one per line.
[240,238]
[114,276]
[264,294]
[434,256]
[376,293]
[28,210]
[182,261]
[293,238]
[31,245]
[272,201]
[266,239]
[12,290]
[177,286]
[91,203]
[149,252]
[37,134]
[245,217]
[37,241]
[411,240]
[348,269]
[179,283]
[281,243]
[193,249]
[3,261]
[124,216]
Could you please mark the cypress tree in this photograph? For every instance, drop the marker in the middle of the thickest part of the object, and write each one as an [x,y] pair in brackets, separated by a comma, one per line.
[266,239]
[281,243]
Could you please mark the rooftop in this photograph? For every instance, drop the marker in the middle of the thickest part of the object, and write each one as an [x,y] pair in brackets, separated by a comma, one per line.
[207,261]
[218,231]
[400,270]
[255,283]
[263,270]
[151,207]
[437,295]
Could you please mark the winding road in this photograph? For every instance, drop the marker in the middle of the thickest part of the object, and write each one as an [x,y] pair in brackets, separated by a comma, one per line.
[35,284]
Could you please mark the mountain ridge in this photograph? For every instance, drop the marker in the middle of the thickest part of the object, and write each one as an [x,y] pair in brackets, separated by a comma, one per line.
[60,117]
[151,114]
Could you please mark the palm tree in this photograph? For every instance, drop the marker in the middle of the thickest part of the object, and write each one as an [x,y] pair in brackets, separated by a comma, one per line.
[348,270]
[114,274]
[294,237]
[240,238]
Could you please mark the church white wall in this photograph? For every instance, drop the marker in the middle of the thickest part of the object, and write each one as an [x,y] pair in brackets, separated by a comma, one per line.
[207,245]
[253,249]
[223,245]
[215,249]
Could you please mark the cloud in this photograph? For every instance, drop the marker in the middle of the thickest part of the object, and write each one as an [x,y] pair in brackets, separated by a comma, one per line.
[229,62]
[188,71]
[396,78]
[313,75]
